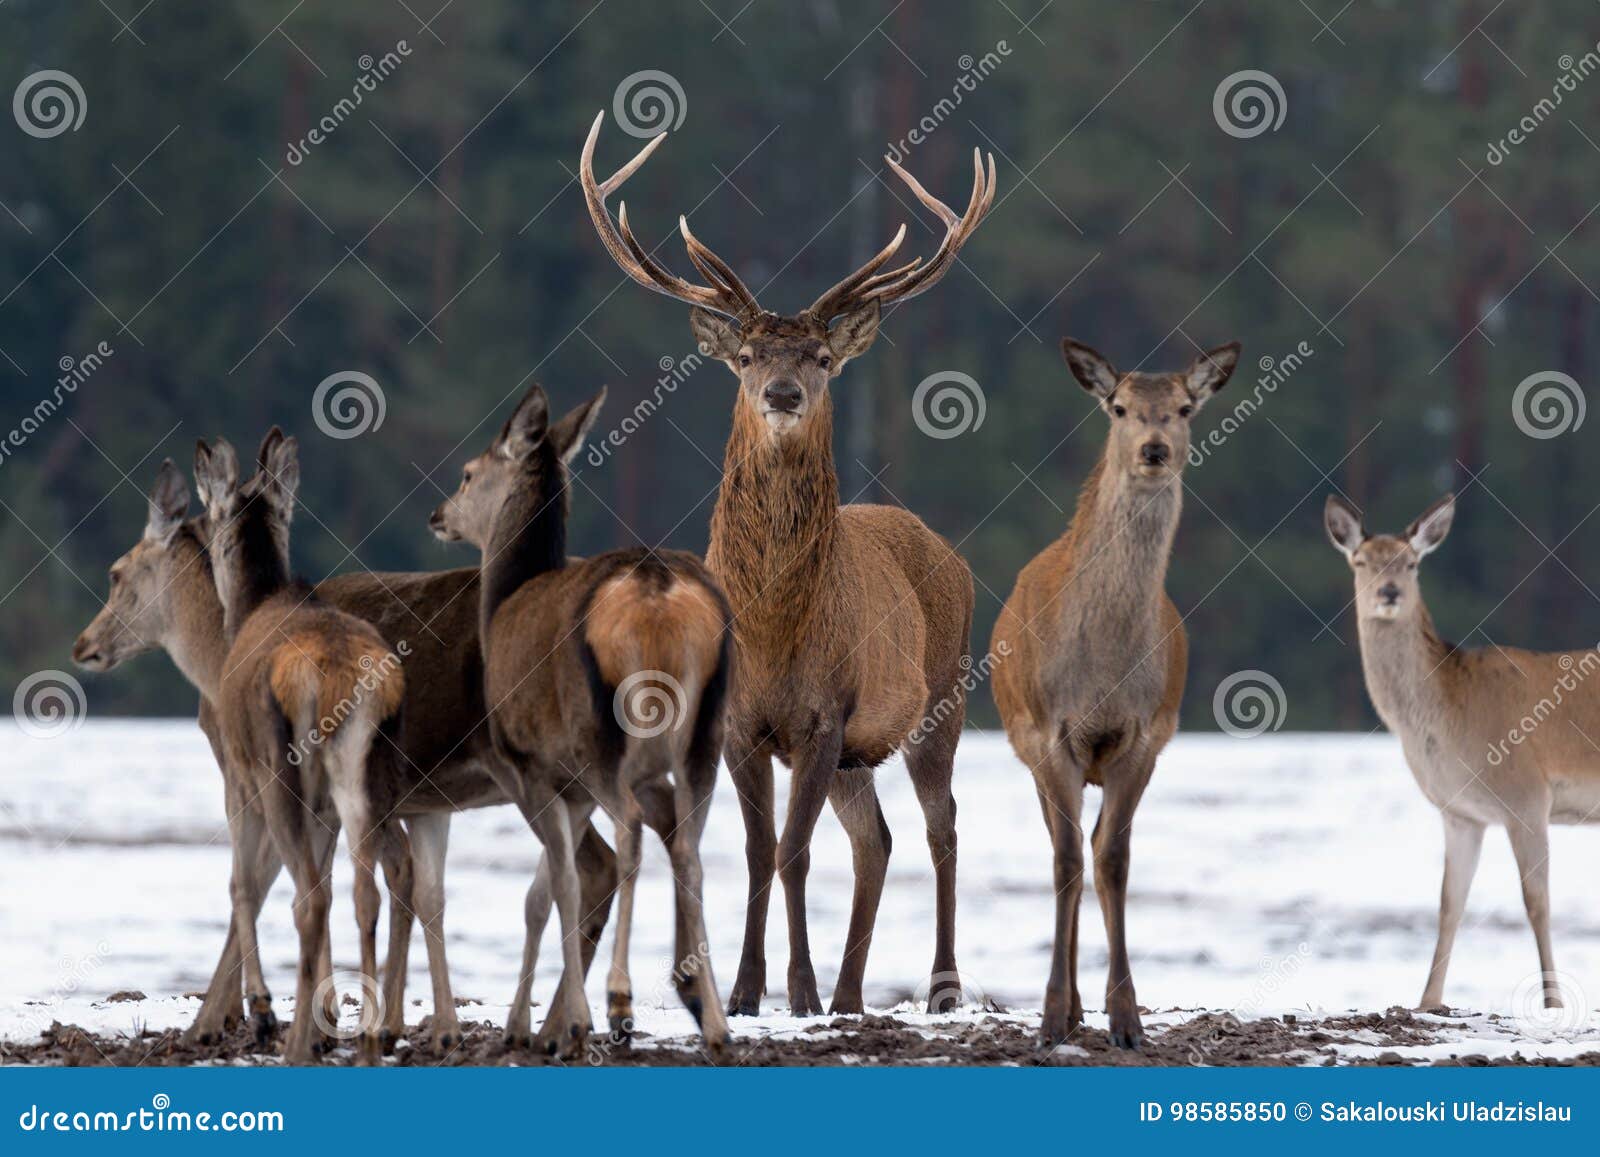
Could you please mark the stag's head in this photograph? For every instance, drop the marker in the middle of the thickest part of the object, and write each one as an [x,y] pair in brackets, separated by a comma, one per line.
[1385,565]
[141,608]
[783,363]
[529,458]
[1150,413]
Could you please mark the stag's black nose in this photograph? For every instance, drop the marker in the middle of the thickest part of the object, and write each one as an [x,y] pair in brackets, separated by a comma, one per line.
[783,397]
[1155,453]
[1389,593]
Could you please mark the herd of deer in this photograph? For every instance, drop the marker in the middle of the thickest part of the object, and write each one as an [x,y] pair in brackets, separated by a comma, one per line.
[818,634]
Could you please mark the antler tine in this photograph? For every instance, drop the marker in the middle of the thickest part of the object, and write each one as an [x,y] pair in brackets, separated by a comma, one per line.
[715,269]
[957,230]
[844,296]
[725,295]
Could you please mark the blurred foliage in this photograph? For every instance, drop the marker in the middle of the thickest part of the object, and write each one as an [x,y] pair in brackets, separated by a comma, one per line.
[437,241]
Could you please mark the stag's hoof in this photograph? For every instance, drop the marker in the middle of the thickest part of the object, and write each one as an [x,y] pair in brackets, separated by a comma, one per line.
[744,1001]
[1126,1031]
[847,1004]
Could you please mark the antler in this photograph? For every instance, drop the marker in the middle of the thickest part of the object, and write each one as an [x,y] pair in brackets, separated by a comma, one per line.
[725,294]
[866,284]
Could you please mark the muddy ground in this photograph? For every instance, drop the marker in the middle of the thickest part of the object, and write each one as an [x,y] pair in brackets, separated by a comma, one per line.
[874,1040]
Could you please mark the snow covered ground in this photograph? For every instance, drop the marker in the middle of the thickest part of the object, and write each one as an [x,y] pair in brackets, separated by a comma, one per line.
[1284,873]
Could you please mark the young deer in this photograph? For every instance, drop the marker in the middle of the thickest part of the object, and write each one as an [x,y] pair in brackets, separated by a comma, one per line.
[305,692]
[163,596]
[1496,736]
[605,681]
[852,622]
[1095,656]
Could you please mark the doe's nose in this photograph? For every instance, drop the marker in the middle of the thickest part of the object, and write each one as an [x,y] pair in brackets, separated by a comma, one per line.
[82,649]
[783,396]
[1155,453]
[1389,593]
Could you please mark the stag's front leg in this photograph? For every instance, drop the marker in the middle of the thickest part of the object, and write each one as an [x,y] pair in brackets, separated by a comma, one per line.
[814,770]
[855,802]
[752,780]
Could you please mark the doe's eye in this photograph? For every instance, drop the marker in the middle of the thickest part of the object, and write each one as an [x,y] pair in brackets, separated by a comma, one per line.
[1185,411]
[1120,411]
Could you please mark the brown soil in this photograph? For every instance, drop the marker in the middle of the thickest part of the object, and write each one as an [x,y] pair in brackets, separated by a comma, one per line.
[1208,1038]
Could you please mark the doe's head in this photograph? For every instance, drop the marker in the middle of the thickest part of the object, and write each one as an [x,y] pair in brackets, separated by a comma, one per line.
[530,458]
[140,608]
[247,523]
[1385,565]
[1150,413]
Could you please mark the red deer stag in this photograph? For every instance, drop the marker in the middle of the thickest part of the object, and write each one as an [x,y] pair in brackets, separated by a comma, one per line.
[1094,657]
[852,622]
[605,681]
[162,596]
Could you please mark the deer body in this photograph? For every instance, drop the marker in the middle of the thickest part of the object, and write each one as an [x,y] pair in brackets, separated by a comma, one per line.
[1091,658]
[851,622]
[1495,737]
[605,681]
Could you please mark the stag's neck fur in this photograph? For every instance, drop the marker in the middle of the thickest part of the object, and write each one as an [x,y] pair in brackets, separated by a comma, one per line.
[1119,541]
[1403,661]
[197,637]
[529,538]
[773,532]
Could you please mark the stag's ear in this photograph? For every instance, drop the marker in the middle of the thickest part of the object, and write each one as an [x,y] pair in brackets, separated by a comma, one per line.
[1428,531]
[853,334]
[717,336]
[1090,367]
[567,435]
[1344,526]
[216,472]
[1209,372]
[279,469]
[526,428]
[169,504]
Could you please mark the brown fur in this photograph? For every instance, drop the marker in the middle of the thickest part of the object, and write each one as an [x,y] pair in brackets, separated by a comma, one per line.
[334,669]
[634,627]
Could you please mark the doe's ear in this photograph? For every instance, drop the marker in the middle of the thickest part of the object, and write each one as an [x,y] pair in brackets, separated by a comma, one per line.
[1209,372]
[216,472]
[527,426]
[853,334]
[567,435]
[280,469]
[1344,525]
[1430,527]
[169,504]
[717,336]
[1092,369]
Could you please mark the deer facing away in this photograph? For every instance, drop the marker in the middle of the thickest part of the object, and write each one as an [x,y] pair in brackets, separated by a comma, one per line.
[1095,657]
[605,681]
[1463,721]
[162,596]
[851,622]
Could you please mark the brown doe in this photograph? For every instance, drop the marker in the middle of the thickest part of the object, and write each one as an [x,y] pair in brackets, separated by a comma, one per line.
[162,596]
[1494,736]
[1092,657]
[605,680]
[852,622]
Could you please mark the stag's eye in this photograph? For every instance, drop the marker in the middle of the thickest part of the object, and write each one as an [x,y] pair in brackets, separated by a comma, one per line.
[825,361]
[1185,411]
[1120,411]
[744,360]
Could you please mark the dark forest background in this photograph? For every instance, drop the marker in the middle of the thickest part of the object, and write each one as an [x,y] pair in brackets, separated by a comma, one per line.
[437,242]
